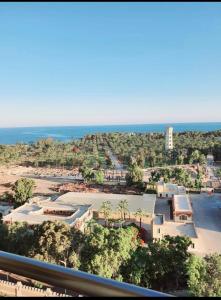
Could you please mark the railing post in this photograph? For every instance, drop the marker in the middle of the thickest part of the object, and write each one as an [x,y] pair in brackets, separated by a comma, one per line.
[18,289]
[48,292]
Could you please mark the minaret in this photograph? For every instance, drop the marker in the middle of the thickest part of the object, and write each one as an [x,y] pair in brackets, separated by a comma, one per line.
[169,138]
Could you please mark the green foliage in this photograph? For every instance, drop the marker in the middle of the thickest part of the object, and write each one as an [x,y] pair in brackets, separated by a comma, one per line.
[205,276]
[123,208]
[106,250]
[23,190]
[219,173]
[134,175]
[162,265]
[54,244]
[99,177]
[106,209]
[176,175]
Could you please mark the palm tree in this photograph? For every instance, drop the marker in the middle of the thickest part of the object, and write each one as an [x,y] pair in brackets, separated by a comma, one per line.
[90,224]
[106,209]
[123,208]
[140,213]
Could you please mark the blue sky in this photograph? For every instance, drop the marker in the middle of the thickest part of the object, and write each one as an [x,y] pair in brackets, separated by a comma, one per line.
[109,63]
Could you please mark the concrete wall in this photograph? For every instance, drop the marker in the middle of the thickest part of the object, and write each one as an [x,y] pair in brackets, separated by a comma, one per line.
[165,195]
[19,290]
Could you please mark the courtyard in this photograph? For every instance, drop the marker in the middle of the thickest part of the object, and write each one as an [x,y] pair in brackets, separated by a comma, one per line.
[207,219]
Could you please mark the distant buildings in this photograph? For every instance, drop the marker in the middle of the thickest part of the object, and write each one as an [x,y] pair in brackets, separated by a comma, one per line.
[210,159]
[169,138]
[168,190]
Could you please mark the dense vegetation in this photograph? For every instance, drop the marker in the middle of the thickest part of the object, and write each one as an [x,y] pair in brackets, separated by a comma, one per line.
[179,176]
[116,253]
[92,151]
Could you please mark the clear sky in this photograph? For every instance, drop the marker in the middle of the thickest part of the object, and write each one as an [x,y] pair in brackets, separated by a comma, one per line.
[109,63]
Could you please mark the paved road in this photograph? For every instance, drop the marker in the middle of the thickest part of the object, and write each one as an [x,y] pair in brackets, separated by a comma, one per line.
[118,166]
[207,218]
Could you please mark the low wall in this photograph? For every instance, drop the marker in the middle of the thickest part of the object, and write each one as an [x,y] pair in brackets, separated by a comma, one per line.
[18,289]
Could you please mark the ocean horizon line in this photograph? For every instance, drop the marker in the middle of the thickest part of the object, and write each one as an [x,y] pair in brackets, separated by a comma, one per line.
[115,124]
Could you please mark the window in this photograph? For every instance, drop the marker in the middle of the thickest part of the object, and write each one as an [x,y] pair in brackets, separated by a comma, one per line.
[158,230]
[183,217]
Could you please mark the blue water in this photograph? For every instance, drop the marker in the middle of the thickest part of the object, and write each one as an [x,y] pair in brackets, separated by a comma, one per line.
[67,133]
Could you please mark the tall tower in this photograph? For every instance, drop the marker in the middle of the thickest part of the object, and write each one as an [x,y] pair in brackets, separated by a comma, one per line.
[169,138]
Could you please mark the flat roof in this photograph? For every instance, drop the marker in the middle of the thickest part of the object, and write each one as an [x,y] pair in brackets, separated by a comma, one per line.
[167,187]
[79,203]
[145,201]
[33,213]
[182,203]
[181,229]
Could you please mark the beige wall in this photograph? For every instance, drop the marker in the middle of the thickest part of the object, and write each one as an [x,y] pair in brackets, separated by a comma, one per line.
[177,215]
[165,194]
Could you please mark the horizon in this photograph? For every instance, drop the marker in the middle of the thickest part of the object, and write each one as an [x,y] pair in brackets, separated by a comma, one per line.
[107,125]
[92,64]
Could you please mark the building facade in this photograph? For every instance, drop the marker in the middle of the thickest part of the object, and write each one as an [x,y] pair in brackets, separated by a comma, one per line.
[169,138]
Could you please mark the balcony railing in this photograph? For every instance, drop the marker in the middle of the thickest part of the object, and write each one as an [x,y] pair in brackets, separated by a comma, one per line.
[80,282]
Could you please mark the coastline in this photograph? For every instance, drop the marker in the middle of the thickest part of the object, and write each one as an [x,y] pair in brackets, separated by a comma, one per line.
[10,136]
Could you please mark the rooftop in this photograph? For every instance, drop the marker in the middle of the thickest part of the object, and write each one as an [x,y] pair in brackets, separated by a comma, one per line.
[145,201]
[37,213]
[163,187]
[71,206]
[181,229]
[182,203]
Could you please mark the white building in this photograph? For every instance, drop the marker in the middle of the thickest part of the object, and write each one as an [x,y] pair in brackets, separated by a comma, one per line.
[169,138]
[168,190]
[75,209]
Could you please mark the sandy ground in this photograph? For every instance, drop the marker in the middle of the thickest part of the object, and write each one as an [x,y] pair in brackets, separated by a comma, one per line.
[207,218]
[9,175]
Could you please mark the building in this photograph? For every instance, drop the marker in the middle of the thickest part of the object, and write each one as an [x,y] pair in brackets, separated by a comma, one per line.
[168,190]
[169,138]
[77,208]
[5,209]
[161,228]
[182,209]
[47,210]
[210,159]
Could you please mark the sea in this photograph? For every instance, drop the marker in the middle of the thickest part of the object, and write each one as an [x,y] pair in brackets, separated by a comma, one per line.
[68,133]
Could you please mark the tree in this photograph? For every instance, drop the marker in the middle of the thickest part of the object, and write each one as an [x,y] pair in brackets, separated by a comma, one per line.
[194,157]
[23,190]
[154,178]
[99,177]
[106,250]
[123,208]
[140,214]
[87,173]
[134,175]
[219,173]
[106,209]
[205,275]
[54,244]
[162,265]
